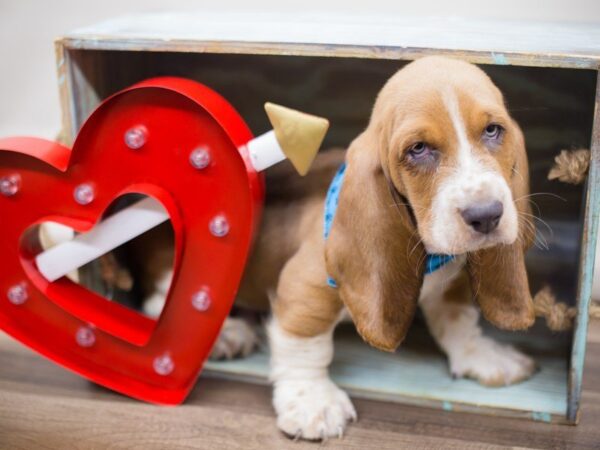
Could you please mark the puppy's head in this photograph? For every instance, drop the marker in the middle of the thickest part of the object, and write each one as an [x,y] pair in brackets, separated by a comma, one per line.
[450,147]
[441,168]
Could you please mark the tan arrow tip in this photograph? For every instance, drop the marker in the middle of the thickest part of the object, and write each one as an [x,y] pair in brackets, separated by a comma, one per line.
[299,134]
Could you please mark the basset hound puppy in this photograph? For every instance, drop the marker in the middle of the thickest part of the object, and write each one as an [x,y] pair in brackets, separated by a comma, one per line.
[430,208]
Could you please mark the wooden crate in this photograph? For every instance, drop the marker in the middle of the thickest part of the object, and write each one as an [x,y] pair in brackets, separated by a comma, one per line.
[334,67]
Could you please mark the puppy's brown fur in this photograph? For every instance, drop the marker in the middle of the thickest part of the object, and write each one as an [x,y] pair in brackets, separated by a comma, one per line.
[375,251]
[372,252]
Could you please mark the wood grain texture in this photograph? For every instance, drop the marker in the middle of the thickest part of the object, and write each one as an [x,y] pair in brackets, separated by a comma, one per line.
[339,34]
[44,406]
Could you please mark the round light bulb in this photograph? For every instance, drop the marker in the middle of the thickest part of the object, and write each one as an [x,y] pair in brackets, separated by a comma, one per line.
[219,226]
[84,194]
[200,158]
[85,336]
[201,300]
[163,365]
[17,294]
[10,185]
[136,137]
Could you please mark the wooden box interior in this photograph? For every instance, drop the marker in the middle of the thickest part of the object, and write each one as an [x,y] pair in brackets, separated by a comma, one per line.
[553,106]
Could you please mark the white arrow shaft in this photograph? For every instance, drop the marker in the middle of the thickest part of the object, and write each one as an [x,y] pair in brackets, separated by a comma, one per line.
[134,220]
[265,151]
[112,232]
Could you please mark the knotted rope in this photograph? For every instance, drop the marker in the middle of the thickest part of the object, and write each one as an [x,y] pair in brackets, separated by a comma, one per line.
[570,166]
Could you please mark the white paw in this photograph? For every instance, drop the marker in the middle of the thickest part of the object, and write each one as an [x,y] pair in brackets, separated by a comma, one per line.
[491,363]
[312,409]
[237,339]
[154,304]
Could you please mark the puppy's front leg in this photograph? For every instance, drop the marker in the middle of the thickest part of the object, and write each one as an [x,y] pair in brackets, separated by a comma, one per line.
[308,404]
[453,321]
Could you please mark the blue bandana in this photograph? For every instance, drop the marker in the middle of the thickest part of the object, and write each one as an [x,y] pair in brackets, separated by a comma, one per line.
[432,262]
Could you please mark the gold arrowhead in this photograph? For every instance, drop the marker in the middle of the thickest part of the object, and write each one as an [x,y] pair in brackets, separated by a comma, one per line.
[299,134]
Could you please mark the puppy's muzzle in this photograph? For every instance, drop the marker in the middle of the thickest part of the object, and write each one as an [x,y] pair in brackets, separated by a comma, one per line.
[483,218]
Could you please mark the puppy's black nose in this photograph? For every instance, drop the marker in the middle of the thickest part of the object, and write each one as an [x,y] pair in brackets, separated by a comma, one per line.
[484,218]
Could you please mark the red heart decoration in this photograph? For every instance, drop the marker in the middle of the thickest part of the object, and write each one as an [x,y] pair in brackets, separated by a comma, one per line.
[156,361]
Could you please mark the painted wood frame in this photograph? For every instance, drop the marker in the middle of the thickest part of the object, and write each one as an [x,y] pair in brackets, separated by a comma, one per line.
[485,42]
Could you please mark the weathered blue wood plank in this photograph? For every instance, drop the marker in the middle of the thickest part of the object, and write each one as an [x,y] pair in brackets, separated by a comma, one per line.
[418,374]
[586,266]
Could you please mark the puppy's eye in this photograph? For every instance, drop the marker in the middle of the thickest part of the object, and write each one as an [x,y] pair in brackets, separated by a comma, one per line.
[420,153]
[492,134]
[418,149]
[492,131]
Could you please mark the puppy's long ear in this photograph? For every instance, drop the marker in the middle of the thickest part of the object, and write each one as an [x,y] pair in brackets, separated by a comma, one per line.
[373,252]
[498,275]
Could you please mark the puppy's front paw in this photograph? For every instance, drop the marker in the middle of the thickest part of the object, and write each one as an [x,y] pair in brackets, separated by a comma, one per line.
[314,410]
[491,363]
[237,339]
[154,304]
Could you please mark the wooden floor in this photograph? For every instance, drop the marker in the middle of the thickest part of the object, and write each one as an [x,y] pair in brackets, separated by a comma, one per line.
[44,406]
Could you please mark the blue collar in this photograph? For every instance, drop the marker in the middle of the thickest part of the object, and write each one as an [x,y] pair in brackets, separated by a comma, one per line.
[432,262]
